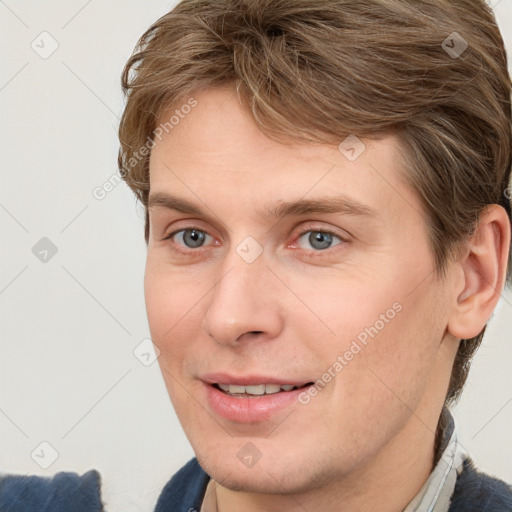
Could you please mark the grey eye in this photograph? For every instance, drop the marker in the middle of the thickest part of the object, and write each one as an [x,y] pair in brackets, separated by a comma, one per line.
[192,238]
[318,240]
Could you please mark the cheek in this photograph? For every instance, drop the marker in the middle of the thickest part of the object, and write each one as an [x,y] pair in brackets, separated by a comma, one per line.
[376,324]
[344,308]
[405,352]
[173,301]
[173,307]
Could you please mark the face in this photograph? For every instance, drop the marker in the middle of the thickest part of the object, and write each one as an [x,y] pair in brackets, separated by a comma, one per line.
[295,271]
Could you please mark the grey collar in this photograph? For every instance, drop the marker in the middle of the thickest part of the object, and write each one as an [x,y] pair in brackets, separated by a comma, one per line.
[436,493]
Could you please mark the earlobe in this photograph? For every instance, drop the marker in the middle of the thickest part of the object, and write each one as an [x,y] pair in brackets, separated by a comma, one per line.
[484,268]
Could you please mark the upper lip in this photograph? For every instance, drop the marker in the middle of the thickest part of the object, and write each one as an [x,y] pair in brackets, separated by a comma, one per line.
[249,380]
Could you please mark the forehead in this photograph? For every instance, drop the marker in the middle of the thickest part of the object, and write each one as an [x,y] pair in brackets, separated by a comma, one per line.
[217,147]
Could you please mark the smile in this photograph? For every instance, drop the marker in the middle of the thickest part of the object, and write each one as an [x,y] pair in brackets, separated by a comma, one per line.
[237,390]
[250,399]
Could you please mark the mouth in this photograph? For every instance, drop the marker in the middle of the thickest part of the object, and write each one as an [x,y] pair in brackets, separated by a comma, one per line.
[257,390]
[251,399]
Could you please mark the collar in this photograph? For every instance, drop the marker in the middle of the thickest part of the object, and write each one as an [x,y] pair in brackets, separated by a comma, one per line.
[437,491]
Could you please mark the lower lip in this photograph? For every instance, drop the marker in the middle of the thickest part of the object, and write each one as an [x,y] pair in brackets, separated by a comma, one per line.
[250,410]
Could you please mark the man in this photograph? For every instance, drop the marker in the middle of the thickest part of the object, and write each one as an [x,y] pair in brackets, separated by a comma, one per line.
[328,232]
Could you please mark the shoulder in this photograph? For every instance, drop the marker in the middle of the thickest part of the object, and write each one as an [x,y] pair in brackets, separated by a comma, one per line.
[480,492]
[30,493]
[185,491]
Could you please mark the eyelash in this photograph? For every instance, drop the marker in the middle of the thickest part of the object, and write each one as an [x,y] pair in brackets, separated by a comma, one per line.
[311,252]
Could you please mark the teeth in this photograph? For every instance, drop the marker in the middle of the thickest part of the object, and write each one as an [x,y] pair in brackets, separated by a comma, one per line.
[272,388]
[257,390]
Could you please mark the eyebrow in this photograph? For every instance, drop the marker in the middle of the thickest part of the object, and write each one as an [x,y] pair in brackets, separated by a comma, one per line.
[340,204]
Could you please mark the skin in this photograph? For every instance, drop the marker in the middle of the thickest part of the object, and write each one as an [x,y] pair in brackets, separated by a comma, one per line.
[367,439]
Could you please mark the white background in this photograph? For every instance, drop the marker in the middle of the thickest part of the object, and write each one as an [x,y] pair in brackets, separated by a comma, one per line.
[69,326]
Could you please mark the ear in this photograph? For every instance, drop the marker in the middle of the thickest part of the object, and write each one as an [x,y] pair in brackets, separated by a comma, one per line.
[483,265]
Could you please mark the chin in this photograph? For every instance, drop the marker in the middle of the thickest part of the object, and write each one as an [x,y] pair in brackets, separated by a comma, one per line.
[277,474]
[257,481]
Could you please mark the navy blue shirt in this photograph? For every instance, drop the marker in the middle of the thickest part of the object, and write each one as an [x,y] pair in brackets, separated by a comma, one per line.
[64,492]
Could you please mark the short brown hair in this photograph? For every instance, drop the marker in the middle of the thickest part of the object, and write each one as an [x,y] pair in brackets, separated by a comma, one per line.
[321,70]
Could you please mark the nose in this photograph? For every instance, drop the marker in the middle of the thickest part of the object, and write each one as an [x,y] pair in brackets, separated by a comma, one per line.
[244,304]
